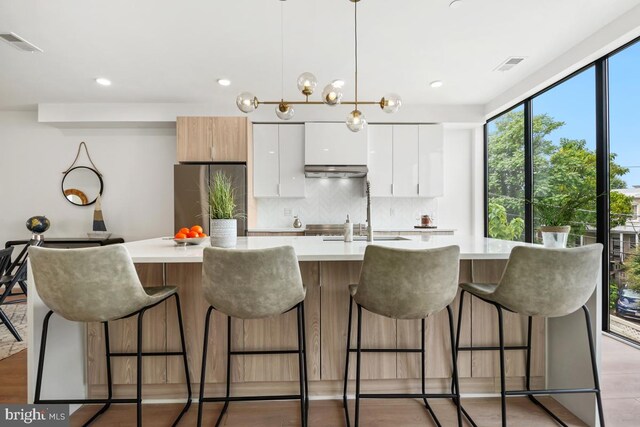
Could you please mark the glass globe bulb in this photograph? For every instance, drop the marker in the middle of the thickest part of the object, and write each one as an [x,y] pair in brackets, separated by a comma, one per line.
[247,102]
[356,121]
[284,111]
[307,83]
[331,95]
[391,103]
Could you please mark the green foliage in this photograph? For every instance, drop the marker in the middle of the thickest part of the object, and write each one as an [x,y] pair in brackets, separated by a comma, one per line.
[613,295]
[500,227]
[565,175]
[632,270]
[222,203]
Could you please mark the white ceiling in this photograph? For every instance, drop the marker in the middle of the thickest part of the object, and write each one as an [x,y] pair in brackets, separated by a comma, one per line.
[168,51]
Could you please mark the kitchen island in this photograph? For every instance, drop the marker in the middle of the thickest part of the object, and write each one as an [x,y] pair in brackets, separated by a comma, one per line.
[560,355]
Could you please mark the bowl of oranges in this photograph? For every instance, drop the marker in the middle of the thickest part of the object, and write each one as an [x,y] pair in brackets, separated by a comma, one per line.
[190,236]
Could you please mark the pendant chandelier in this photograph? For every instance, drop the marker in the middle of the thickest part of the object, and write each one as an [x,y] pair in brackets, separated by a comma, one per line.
[331,95]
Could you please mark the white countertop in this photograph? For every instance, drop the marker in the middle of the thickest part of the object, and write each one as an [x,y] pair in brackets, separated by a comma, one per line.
[315,249]
[301,230]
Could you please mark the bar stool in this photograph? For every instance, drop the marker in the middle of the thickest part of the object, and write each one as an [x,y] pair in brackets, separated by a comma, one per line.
[99,285]
[404,284]
[541,282]
[253,284]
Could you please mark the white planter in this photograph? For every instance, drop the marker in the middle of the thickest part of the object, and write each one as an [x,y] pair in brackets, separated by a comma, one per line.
[224,233]
[555,237]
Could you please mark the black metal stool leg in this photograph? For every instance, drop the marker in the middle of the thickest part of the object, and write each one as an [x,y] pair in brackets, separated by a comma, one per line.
[457,348]
[503,396]
[594,366]
[184,359]
[43,346]
[228,392]
[139,371]
[358,360]
[454,372]
[301,368]
[423,373]
[107,350]
[346,365]
[204,364]
[306,377]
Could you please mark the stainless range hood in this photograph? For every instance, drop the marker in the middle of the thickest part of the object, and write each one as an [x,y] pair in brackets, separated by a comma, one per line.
[335,171]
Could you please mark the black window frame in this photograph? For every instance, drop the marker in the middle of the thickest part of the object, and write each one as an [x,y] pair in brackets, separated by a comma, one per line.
[601,83]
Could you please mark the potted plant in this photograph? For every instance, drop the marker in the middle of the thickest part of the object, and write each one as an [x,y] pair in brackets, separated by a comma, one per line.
[223,212]
[555,214]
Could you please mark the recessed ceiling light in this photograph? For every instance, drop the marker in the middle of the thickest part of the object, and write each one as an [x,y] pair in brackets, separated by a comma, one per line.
[455,4]
[103,82]
[224,82]
[436,83]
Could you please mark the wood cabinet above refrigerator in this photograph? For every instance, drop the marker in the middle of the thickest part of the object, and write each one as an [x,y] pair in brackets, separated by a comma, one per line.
[212,139]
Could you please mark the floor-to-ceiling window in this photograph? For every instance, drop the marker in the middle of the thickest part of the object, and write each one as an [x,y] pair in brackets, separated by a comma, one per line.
[570,155]
[624,131]
[564,158]
[505,180]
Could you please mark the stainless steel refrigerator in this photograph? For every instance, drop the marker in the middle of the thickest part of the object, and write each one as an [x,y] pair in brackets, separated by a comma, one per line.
[190,193]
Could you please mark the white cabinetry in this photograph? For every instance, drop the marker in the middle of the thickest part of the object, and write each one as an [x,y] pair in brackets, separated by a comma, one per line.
[406,160]
[334,144]
[278,154]
[431,161]
[381,160]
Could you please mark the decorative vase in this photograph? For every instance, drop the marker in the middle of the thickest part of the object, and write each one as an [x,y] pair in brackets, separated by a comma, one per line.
[296,222]
[38,225]
[224,233]
[555,237]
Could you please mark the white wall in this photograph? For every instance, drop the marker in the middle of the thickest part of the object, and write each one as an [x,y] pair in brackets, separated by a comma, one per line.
[137,167]
[330,200]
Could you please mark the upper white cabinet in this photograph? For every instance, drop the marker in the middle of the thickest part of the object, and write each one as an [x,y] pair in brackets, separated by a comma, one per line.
[334,144]
[381,160]
[278,154]
[406,160]
[431,161]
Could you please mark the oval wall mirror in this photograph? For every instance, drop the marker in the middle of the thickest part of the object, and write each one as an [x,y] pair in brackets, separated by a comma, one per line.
[82,185]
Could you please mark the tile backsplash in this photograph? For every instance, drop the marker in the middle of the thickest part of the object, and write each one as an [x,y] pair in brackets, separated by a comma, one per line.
[329,201]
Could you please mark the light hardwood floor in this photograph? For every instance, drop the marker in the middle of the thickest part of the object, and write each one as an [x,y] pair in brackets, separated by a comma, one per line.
[620,383]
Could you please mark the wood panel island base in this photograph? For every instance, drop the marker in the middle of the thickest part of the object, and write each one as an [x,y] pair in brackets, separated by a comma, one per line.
[327,269]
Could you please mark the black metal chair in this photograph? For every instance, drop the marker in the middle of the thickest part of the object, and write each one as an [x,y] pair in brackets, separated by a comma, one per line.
[254,284]
[113,292]
[7,283]
[404,284]
[546,283]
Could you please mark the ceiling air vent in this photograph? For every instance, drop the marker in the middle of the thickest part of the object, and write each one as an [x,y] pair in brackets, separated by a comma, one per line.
[19,43]
[509,63]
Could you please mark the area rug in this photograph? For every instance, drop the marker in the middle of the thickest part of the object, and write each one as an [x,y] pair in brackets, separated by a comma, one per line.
[17,313]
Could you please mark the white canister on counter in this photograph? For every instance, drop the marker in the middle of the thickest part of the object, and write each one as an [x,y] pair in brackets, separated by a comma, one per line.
[348,230]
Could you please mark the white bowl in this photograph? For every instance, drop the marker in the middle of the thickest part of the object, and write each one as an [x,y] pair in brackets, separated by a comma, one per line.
[190,241]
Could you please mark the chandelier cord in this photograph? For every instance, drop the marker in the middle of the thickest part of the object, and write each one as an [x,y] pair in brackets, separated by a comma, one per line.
[282,50]
[355,9]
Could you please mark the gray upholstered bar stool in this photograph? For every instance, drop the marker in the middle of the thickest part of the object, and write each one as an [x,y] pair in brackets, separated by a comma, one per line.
[404,284]
[547,283]
[253,284]
[99,285]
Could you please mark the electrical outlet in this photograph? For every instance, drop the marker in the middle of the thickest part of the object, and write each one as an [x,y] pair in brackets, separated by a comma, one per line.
[287,211]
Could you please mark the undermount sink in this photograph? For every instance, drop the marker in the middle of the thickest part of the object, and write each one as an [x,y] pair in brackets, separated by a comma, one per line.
[364,238]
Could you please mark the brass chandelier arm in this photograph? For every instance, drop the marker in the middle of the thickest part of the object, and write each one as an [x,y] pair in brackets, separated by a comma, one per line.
[317,102]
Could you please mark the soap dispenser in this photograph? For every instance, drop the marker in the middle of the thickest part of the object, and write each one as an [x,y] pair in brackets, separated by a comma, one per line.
[348,230]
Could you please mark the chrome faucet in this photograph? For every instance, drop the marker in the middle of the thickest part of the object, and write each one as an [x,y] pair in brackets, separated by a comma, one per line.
[369,229]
